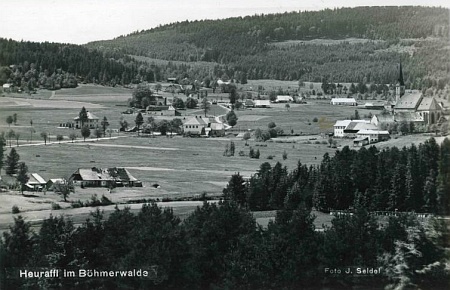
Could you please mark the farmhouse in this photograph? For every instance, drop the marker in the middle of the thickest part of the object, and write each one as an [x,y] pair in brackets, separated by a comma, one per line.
[365,137]
[36,182]
[284,99]
[354,127]
[92,121]
[104,177]
[262,103]
[344,101]
[204,126]
[349,128]
[163,110]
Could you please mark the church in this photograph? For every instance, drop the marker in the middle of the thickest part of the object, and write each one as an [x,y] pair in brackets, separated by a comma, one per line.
[413,106]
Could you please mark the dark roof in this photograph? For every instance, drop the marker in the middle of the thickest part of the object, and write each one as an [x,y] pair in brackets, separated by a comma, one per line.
[409,101]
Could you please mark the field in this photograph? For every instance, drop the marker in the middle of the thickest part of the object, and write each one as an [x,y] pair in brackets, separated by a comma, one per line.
[180,166]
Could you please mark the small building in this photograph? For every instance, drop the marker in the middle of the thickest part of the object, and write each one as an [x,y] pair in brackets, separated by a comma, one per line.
[284,99]
[50,185]
[374,106]
[262,104]
[7,88]
[373,136]
[36,182]
[92,121]
[343,102]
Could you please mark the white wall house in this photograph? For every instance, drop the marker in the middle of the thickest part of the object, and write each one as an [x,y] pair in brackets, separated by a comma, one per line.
[344,101]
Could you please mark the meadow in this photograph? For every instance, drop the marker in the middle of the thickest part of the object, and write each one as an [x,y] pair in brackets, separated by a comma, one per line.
[180,166]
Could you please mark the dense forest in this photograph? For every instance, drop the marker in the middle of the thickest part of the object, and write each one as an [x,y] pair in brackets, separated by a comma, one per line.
[30,65]
[413,178]
[263,46]
[220,246]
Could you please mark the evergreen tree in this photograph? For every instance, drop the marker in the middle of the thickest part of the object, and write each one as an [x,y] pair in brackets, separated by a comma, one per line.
[12,162]
[83,115]
[85,132]
[22,175]
[105,125]
[236,190]
[139,121]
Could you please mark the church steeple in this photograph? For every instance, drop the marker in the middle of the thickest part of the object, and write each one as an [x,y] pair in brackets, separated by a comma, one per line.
[400,77]
[400,86]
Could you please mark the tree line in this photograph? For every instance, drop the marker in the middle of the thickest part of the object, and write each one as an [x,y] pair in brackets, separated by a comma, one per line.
[220,246]
[414,178]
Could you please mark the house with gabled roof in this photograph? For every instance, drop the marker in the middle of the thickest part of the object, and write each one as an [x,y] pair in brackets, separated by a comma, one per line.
[209,126]
[92,121]
[103,177]
[36,182]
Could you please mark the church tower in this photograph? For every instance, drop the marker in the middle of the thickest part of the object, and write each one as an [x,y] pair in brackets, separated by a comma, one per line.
[400,86]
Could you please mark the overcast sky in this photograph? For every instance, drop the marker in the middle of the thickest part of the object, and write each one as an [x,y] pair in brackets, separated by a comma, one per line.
[81,21]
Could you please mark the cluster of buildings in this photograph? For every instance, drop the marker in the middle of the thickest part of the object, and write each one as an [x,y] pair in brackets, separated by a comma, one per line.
[86,177]
[409,106]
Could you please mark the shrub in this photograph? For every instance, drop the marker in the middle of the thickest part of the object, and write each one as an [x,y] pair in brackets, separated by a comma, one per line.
[77,204]
[284,155]
[315,120]
[15,209]
[270,157]
[316,142]
[106,201]
[55,206]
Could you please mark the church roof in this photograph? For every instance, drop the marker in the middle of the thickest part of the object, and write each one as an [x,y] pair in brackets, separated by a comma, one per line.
[409,101]
[428,104]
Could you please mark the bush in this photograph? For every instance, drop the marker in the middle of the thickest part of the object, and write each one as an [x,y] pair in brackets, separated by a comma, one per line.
[105,200]
[77,204]
[55,206]
[270,157]
[315,120]
[15,209]
[284,155]
[316,142]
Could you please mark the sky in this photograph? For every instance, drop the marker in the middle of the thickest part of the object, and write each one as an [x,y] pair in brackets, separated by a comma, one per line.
[82,21]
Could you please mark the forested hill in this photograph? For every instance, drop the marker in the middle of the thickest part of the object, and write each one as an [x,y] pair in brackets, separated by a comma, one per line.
[225,40]
[31,65]
[276,46]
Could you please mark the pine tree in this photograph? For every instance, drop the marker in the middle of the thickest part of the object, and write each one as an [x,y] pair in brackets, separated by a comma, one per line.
[22,175]
[236,190]
[83,115]
[12,162]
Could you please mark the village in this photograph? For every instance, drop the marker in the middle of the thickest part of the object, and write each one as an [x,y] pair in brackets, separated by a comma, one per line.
[403,112]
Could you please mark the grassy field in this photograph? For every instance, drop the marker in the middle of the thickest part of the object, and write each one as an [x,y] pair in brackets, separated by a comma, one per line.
[180,166]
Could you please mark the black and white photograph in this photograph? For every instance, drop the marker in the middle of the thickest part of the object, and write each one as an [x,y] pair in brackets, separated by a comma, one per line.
[261,144]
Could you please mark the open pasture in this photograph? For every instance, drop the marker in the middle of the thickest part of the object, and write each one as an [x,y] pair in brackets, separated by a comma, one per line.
[179,165]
